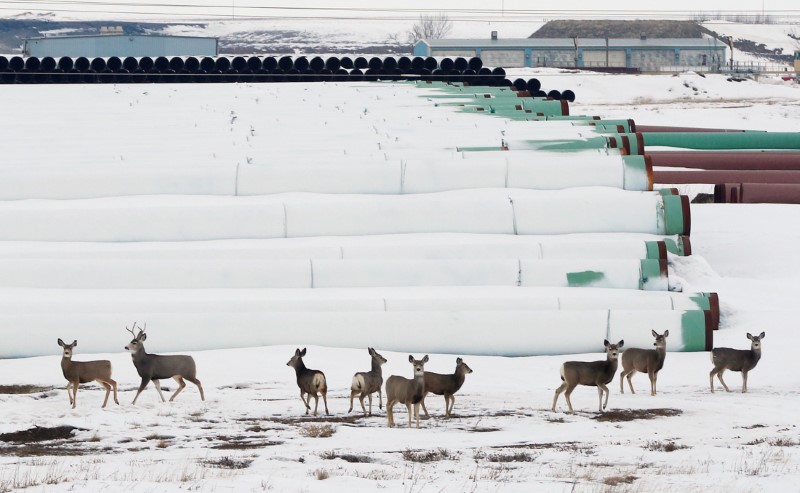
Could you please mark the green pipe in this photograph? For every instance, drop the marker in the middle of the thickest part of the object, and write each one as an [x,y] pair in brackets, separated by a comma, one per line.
[637,166]
[654,271]
[697,333]
[712,140]
[676,215]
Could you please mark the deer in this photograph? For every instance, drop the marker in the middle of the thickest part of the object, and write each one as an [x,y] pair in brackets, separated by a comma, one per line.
[405,391]
[368,382]
[590,373]
[78,372]
[155,367]
[446,385]
[311,382]
[649,361]
[742,360]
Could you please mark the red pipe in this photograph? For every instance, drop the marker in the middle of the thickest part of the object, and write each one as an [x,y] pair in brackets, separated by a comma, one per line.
[727,160]
[757,193]
[726,176]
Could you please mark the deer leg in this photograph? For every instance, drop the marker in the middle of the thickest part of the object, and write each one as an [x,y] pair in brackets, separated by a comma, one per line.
[410,413]
[113,384]
[302,392]
[316,401]
[621,382]
[199,387]
[653,377]
[711,377]
[603,388]
[157,385]
[425,409]
[566,396]
[416,413]
[361,400]
[389,413]
[181,386]
[69,392]
[369,396]
[144,383]
[446,406]
[352,396]
[559,390]
[380,399]
[630,380]
[452,404]
[74,394]
[325,400]
[719,375]
[108,391]
[744,382]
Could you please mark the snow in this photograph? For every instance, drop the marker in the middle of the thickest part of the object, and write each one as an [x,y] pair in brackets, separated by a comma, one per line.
[723,442]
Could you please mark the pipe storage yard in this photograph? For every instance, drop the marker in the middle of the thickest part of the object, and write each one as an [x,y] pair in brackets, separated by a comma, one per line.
[431,216]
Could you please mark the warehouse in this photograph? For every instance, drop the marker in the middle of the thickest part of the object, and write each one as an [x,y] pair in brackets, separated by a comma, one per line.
[640,53]
[120,45]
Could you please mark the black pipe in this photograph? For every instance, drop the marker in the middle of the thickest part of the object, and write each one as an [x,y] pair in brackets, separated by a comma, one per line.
[98,64]
[468,77]
[3,63]
[333,64]
[285,63]
[375,63]
[58,76]
[278,75]
[130,64]
[301,64]
[231,75]
[191,64]
[269,64]
[431,63]
[417,64]
[554,94]
[73,76]
[161,64]
[371,74]
[447,64]
[7,76]
[123,76]
[139,76]
[356,74]
[568,95]
[453,76]
[64,63]
[293,75]
[425,74]
[106,76]
[360,63]
[90,76]
[239,64]
[32,63]
[208,64]
[539,94]
[506,83]
[475,63]
[437,74]
[484,77]
[389,64]
[168,76]
[176,63]
[326,75]
[520,84]
[16,63]
[83,64]
[48,64]
[146,63]
[223,64]
[114,63]
[254,63]
[534,86]
[316,64]
[404,63]
[340,75]
[24,76]
[498,74]
[346,63]
[461,64]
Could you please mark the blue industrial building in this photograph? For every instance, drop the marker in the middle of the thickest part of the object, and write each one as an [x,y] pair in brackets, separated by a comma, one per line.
[640,53]
[120,45]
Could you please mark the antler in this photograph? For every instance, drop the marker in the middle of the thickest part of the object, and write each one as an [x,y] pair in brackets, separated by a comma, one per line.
[131,330]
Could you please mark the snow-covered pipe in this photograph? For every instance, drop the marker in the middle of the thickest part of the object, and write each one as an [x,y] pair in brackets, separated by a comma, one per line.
[498,211]
[471,332]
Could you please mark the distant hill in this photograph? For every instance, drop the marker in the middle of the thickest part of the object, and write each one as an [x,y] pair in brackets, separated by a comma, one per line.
[620,29]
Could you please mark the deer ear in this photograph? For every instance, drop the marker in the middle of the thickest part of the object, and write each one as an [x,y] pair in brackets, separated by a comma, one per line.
[762,335]
[370,351]
[459,361]
[142,336]
[655,334]
[666,333]
[60,342]
[74,343]
[621,343]
[303,352]
[750,336]
[605,342]
[410,358]
[425,359]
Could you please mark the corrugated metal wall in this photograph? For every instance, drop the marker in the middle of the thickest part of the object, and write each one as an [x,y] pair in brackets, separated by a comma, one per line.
[120,46]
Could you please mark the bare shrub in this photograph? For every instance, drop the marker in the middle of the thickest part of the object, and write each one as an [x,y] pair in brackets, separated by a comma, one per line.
[434,26]
[618,480]
[321,474]
[228,463]
[318,431]
[427,455]
[665,446]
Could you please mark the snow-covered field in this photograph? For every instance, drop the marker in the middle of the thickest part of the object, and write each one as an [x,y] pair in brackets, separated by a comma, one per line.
[251,435]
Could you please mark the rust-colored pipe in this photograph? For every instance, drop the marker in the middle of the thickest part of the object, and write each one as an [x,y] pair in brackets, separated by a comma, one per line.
[726,176]
[727,160]
[770,193]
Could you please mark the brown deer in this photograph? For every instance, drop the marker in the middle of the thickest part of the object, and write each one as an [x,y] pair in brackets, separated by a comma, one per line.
[591,373]
[310,381]
[446,385]
[742,360]
[154,367]
[366,383]
[649,361]
[78,372]
[405,391]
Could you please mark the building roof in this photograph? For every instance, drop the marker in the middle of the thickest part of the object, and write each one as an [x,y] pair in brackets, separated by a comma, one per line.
[104,36]
[568,43]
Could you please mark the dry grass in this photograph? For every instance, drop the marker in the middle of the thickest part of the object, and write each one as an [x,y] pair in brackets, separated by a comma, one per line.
[634,414]
[352,458]
[321,474]
[228,463]
[318,431]
[618,480]
[665,446]
[505,457]
[23,389]
[427,455]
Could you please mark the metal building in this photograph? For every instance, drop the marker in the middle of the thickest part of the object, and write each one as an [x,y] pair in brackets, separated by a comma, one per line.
[642,53]
[107,45]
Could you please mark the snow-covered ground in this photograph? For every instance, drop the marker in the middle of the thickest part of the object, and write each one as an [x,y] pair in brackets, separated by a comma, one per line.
[251,435]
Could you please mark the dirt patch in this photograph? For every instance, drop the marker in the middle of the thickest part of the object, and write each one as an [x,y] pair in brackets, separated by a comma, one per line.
[39,434]
[351,458]
[242,443]
[23,389]
[42,441]
[558,446]
[618,480]
[634,414]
